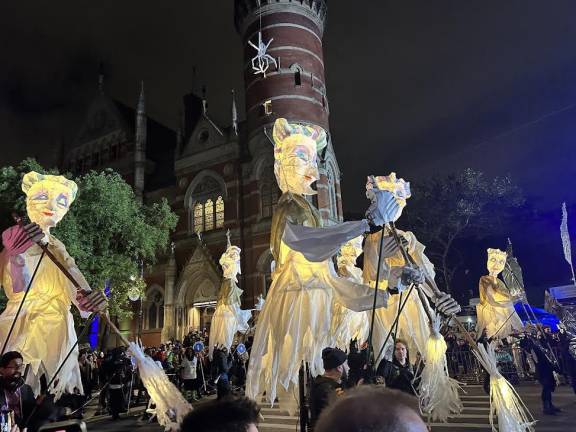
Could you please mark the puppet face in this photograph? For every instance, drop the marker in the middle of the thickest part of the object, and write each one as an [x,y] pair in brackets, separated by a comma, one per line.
[496,261]
[349,252]
[230,262]
[47,202]
[398,187]
[296,168]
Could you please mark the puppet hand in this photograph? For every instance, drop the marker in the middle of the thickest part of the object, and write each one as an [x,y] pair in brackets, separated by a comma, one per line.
[384,208]
[17,239]
[411,275]
[94,301]
[446,305]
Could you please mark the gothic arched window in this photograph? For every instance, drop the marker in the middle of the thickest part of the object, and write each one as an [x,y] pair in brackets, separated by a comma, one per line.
[269,191]
[297,78]
[207,210]
[332,193]
[155,311]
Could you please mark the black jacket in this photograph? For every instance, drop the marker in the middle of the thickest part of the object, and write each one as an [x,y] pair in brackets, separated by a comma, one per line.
[322,392]
[397,376]
[45,412]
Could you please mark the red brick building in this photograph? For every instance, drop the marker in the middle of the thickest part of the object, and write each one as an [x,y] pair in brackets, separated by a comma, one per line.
[219,177]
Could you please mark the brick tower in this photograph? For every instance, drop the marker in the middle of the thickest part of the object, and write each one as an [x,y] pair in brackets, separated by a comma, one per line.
[295,87]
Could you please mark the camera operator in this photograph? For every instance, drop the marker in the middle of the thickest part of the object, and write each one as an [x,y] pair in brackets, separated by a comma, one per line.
[118,370]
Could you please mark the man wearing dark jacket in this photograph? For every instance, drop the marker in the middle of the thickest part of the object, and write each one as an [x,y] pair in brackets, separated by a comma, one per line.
[545,368]
[398,373]
[222,365]
[325,388]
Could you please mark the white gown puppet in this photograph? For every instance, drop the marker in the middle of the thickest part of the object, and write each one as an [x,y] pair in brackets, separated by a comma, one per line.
[413,325]
[495,312]
[228,318]
[294,324]
[347,324]
[44,331]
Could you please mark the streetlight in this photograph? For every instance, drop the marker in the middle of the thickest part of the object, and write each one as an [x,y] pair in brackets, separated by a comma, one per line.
[136,293]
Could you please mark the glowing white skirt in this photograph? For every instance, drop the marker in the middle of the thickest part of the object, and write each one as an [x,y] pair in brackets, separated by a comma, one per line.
[348,325]
[413,326]
[497,320]
[43,334]
[226,322]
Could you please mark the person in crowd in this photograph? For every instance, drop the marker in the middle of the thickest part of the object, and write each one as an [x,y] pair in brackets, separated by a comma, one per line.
[326,388]
[222,364]
[545,367]
[17,399]
[225,415]
[356,362]
[188,374]
[398,373]
[118,372]
[568,362]
[372,408]
[85,374]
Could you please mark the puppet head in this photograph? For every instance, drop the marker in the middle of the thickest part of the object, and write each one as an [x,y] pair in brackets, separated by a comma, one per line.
[230,261]
[496,261]
[398,187]
[48,198]
[295,155]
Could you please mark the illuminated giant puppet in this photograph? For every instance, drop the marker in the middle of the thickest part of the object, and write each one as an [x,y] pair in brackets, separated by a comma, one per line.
[294,324]
[44,330]
[496,313]
[403,265]
[228,317]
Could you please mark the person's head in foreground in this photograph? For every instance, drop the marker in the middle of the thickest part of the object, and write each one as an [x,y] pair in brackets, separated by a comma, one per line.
[11,369]
[372,409]
[227,415]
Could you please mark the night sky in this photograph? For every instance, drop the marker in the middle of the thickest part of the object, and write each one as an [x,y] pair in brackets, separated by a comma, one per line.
[419,87]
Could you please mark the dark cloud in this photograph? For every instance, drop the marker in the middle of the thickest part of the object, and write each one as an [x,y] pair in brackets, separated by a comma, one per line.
[418,87]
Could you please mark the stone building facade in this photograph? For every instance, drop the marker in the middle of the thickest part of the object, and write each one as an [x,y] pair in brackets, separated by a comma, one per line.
[219,177]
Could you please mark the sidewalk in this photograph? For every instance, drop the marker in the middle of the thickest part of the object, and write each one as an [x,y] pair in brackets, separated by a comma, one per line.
[564,398]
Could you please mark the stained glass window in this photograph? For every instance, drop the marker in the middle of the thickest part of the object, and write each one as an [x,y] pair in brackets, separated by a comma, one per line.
[198,217]
[207,212]
[219,212]
[209,215]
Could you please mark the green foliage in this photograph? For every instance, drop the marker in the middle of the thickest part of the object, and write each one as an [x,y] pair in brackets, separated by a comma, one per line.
[463,205]
[106,230]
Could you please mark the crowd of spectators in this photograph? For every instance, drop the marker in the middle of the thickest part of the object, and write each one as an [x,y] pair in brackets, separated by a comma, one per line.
[191,370]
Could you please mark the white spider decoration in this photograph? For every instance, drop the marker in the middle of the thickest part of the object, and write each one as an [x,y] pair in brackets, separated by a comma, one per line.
[261,62]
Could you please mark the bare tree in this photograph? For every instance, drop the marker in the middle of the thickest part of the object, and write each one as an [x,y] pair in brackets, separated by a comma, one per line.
[467,204]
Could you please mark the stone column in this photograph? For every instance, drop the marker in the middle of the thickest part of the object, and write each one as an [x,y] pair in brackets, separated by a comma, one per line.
[168,330]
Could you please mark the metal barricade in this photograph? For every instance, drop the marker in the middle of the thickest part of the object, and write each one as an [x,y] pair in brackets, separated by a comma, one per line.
[463,364]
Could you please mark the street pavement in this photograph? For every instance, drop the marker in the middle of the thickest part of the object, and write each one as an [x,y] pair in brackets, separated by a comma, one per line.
[473,418]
